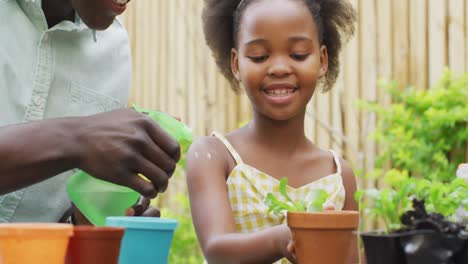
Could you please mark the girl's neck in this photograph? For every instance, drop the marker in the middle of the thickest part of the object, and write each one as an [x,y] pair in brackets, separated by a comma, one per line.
[281,136]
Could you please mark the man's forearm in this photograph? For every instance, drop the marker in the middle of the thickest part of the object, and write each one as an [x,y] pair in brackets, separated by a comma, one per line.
[32,152]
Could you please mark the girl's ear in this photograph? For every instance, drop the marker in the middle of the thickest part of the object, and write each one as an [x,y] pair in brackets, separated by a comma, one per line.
[323,61]
[235,63]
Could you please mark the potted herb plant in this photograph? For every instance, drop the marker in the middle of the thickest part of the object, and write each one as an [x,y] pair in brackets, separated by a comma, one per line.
[319,236]
[418,218]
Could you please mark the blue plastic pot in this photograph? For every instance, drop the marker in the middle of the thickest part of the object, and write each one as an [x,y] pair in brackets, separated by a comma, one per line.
[146,239]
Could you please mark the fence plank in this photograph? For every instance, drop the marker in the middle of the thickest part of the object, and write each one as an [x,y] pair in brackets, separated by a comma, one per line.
[190,60]
[384,44]
[336,114]
[180,74]
[401,42]
[163,43]
[368,77]
[456,48]
[437,39]
[352,66]
[384,58]
[153,68]
[466,60]
[211,109]
[418,44]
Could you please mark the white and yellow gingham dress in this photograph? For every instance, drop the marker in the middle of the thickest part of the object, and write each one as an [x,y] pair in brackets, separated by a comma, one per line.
[248,187]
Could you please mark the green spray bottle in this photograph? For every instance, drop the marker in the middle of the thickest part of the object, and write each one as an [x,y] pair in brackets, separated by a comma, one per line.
[98,199]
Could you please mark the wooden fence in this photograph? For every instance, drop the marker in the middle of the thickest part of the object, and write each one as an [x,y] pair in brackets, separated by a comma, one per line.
[410,41]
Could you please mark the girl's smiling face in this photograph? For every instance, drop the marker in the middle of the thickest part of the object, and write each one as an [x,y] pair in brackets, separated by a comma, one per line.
[278,57]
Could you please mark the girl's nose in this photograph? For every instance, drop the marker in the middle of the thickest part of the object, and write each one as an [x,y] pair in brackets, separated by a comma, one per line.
[279,67]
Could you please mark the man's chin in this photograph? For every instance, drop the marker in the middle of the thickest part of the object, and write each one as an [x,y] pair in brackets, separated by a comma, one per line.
[99,24]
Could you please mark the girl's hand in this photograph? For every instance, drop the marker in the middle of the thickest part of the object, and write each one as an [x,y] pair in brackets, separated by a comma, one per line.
[286,245]
[291,252]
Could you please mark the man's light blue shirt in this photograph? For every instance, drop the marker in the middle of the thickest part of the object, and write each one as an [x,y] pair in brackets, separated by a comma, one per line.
[47,73]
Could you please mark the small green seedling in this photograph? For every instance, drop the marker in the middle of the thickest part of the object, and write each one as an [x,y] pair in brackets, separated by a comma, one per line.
[312,203]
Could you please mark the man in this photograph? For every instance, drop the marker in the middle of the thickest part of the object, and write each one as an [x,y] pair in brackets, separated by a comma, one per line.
[56,74]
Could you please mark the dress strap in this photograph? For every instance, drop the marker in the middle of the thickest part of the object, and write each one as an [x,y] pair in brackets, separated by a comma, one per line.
[230,148]
[337,161]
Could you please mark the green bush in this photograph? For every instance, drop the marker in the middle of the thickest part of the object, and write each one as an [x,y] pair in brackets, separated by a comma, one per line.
[424,132]
[422,135]
[185,248]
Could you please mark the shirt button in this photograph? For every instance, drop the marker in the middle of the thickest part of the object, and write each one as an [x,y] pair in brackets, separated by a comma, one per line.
[37,100]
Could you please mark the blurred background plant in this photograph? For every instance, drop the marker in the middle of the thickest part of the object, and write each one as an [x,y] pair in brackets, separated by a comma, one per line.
[185,248]
[422,137]
[423,132]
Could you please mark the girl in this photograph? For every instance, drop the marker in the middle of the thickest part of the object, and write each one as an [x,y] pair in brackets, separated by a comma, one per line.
[279,50]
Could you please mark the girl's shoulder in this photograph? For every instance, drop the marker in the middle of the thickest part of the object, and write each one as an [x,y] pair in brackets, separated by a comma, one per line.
[212,151]
[209,146]
[206,160]
[335,163]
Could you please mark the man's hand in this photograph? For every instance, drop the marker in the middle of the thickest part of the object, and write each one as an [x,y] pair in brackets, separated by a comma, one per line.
[116,146]
[143,208]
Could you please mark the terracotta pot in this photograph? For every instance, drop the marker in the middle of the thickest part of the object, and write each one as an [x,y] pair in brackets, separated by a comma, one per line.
[34,243]
[95,245]
[326,237]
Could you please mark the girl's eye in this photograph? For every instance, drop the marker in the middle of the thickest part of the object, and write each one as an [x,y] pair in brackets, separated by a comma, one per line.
[258,59]
[299,57]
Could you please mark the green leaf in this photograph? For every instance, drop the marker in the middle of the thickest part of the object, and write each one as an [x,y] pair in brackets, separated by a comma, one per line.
[316,199]
[283,188]
[276,206]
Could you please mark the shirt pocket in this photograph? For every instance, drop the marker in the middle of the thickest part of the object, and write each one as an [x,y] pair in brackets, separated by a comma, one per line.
[83,101]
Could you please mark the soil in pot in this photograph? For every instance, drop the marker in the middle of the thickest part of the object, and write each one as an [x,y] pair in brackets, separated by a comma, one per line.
[433,239]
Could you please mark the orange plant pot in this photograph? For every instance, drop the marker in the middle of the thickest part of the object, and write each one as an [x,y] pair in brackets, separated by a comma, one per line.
[95,245]
[34,243]
[325,237]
